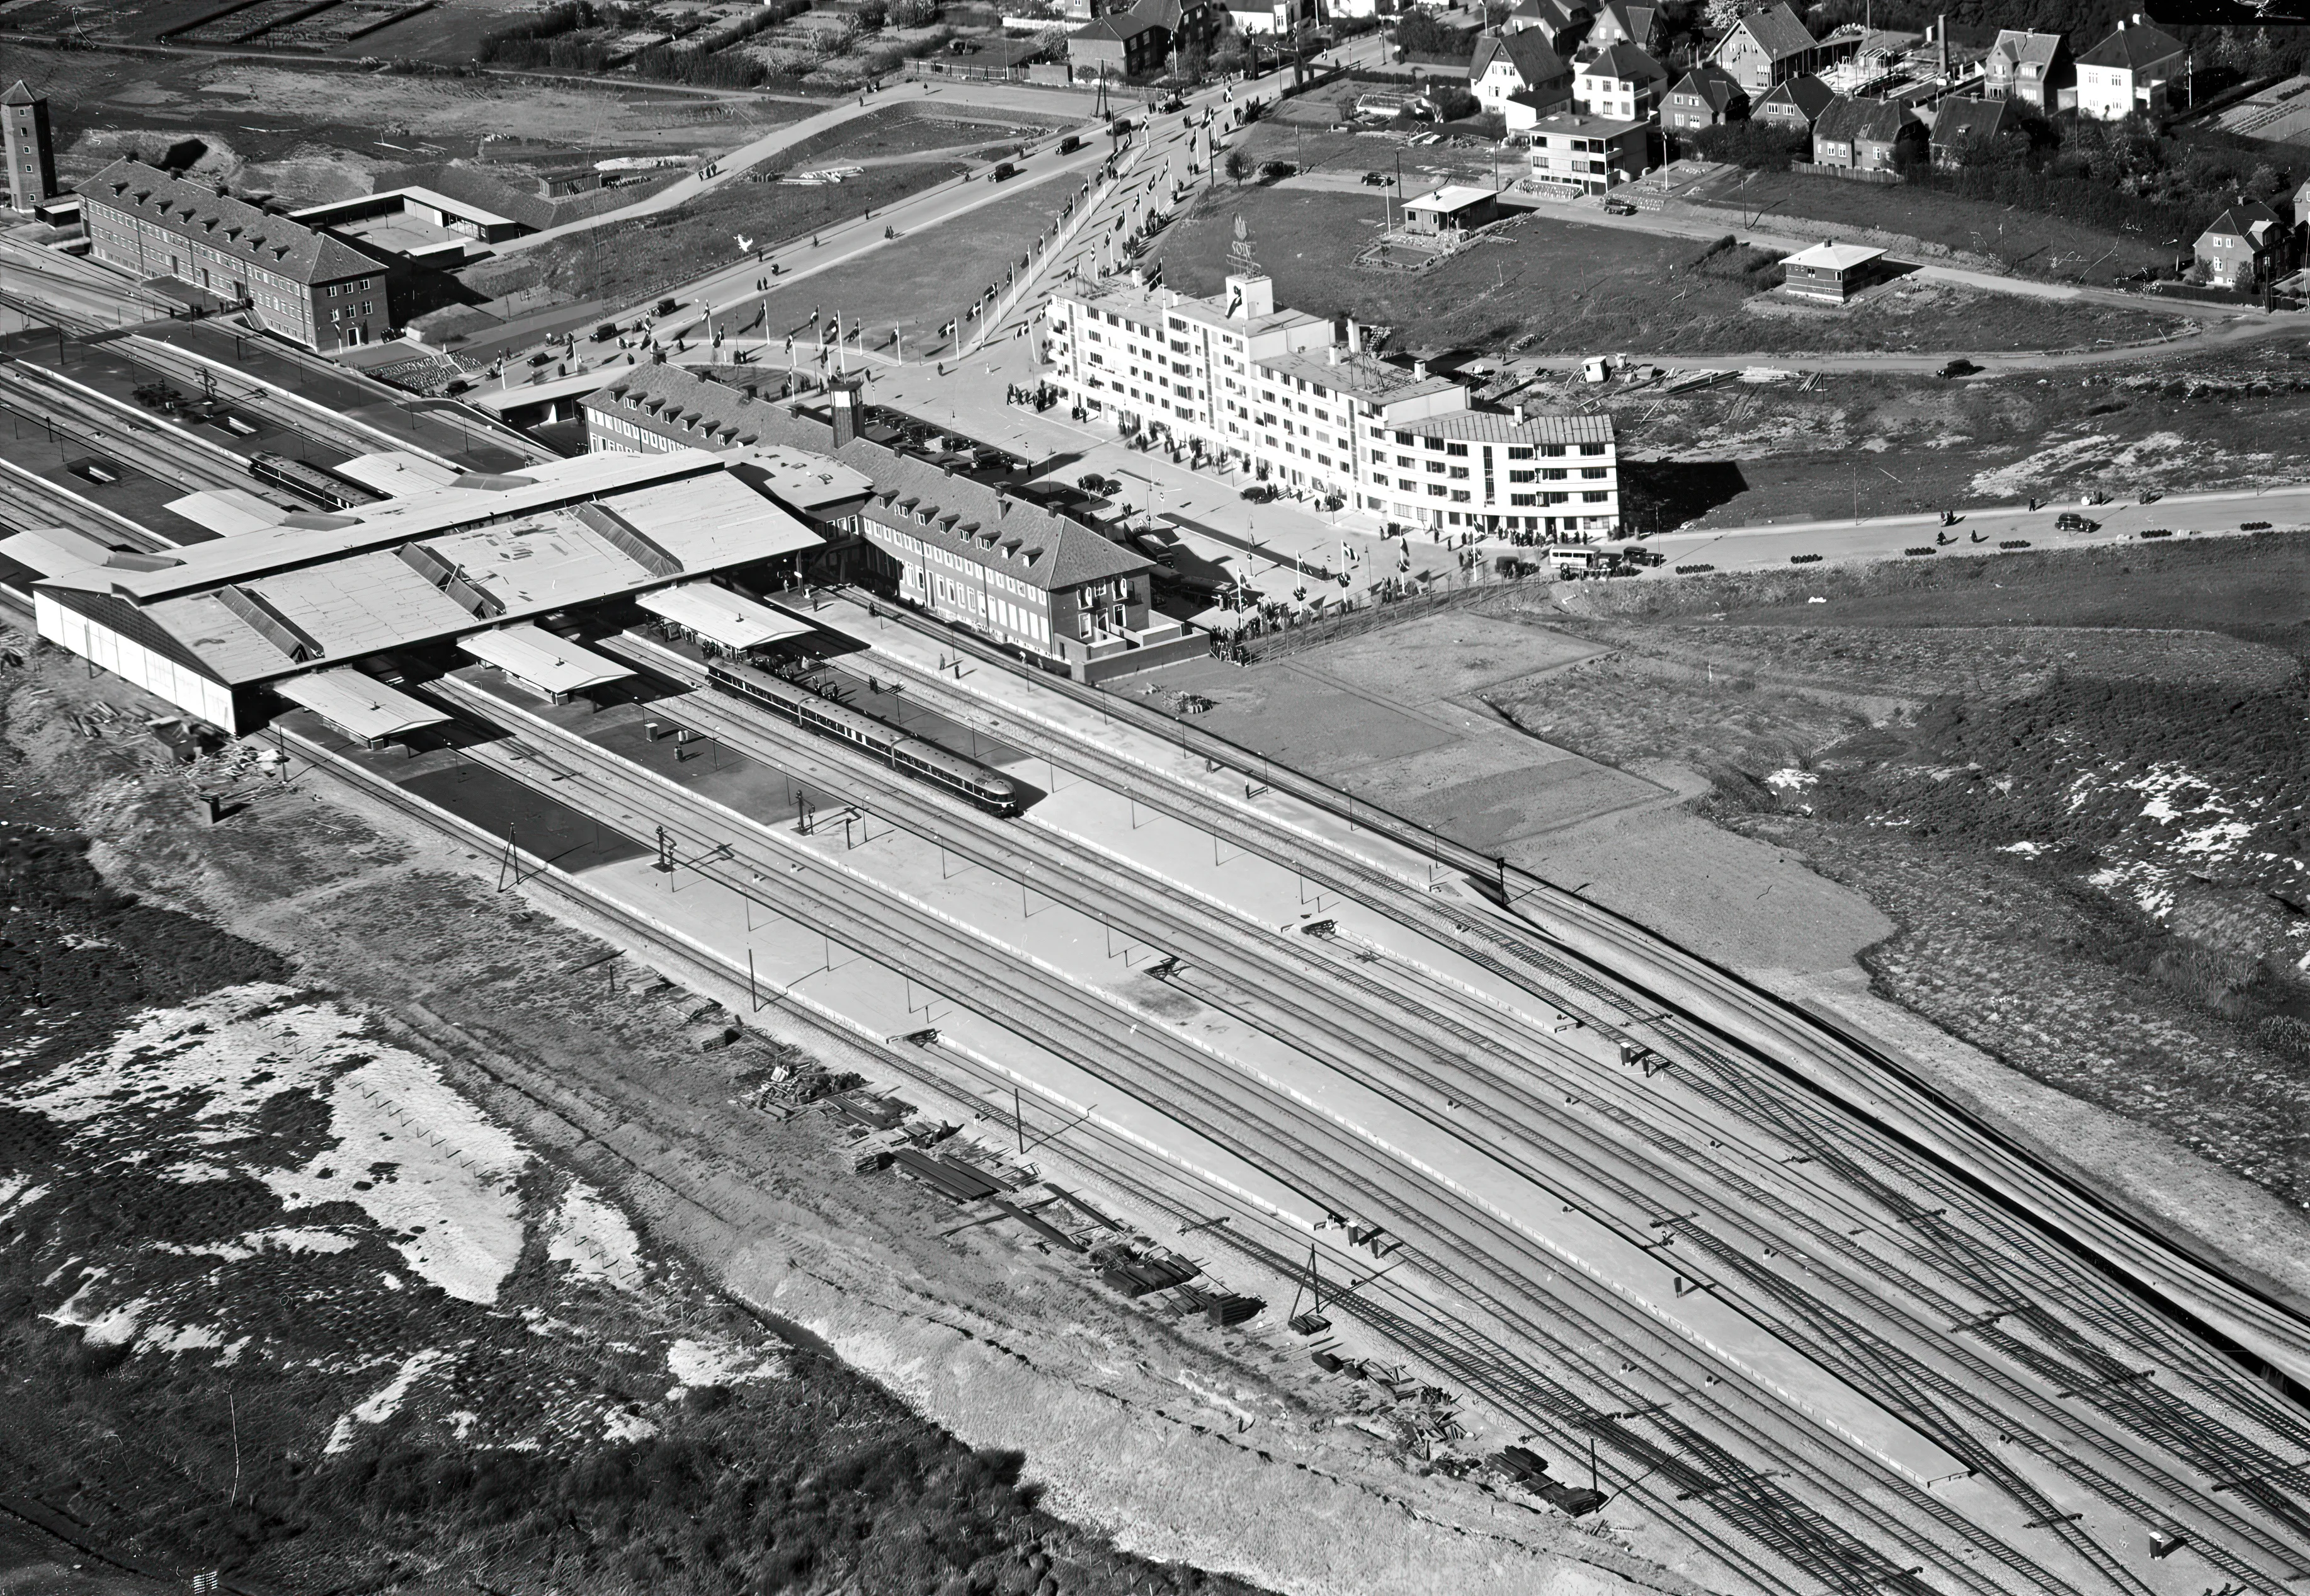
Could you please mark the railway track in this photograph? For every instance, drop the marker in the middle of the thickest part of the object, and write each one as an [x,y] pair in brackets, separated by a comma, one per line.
[2013,1266]
[1272,1130]
[1920,1391]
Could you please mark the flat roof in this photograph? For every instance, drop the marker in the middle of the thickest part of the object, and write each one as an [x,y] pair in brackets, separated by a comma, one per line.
[809,482]
[396,472]
[412,195]
[1152,305]
[497,400]
[228,512]
[1587,126]
[1833,257]
[468,498]
[358,705]
[52,551]
[1360,375]
[1451,196]
[550,664]
[729,618]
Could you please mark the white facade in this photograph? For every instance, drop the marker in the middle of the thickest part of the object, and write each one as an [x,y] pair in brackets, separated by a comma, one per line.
[2112,94]
[1281,394]
[131,661]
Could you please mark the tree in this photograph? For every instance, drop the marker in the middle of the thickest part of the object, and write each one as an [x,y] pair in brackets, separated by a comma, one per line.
[872,14]
[1236,166]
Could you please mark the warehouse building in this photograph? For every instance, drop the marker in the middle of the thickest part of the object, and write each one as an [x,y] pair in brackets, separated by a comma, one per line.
[1281,394]
[310,287]
[222,629]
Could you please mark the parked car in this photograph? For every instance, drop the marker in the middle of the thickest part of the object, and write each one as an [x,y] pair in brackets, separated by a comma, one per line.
[1619,207]
[1260,493]
[2070,521]
[605,332]
[1378,180]
[1070,144]
[1003,171]
[1959,367]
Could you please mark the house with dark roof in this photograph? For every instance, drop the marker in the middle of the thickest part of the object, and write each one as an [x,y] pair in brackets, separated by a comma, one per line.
[1121,44]
[1768,47]
[1794,105]
[1861,135]
[1507,65]
[1964,129]
[2247,244]
[1620,23]
[966,551]
[2034,68]
[1621,83]
[1705,97]
[1564,24]
[2135,69]
[310,287]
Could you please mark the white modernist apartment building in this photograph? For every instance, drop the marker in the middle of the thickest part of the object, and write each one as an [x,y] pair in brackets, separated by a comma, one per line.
[1281,393]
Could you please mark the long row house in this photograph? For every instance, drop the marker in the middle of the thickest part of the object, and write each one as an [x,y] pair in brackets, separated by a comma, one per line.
[1300,404]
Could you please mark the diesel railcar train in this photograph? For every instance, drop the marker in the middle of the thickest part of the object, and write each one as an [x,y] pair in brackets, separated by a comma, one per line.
[924,761]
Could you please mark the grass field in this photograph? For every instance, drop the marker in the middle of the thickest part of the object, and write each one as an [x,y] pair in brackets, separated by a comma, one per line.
[909,129]
[628,261]
[2038,245]
[1553,286]
[1738,454]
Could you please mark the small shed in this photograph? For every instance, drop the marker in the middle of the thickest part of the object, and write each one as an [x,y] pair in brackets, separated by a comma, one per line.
[1832,272]
[1454,207]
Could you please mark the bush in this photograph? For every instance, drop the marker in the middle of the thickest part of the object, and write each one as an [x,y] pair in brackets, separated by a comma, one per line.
[1754,146]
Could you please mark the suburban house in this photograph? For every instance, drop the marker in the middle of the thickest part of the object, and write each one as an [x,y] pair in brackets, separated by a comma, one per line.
[1456,207]
[1575,152]
[1622,23]
[1510,64]
[1121,44]
[2247,244]
[1867,135]
[1963,128]
[1194,23]
[1832,272]
[1705,96]
[1794,105]
[310,287]
[1564,24]
[1621,83]
[1768,47]
[2034,68]
[2135,69]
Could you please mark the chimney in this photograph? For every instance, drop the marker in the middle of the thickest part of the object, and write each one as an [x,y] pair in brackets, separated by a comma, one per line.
[1331,354]
[1418,368]
[1941,34]
[1355,337]
[1519,412]
[846,419]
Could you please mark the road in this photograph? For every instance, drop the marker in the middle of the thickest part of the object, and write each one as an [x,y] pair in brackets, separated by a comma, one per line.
[1455,1081]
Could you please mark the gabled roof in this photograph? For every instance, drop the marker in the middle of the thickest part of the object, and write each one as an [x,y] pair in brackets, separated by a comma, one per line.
[1528,51]
[2133,45]
[2248,219]
[1118,27]
[1553,14]
[1960,120]
[1627,62]
[1876,121]
[1776,30]
[1807,94]
[2019,45]
[233,228]
[19,94]
[966,516]
[1632,22]
[1713,85]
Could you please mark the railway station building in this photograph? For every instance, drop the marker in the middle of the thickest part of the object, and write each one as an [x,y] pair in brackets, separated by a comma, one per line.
[310,287]
[226,629]
[1289,398]
[967,552]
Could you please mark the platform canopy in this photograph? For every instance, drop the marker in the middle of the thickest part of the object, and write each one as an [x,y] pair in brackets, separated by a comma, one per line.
[552,664]
[729,618]
[358,705]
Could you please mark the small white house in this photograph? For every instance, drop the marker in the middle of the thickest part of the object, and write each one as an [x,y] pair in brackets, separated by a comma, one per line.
[2135,69]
